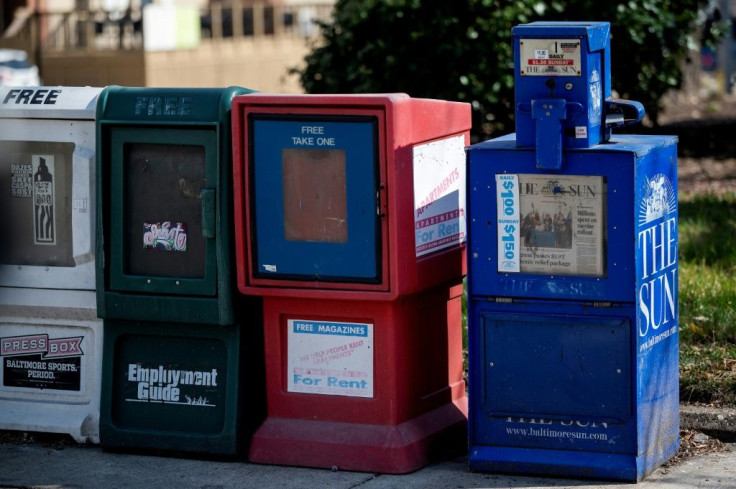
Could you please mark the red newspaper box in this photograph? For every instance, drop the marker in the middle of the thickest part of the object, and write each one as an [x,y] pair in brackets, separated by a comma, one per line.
[350,223]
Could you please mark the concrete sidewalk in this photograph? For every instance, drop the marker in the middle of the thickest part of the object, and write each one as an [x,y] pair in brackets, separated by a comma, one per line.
[81,467]
[42,465]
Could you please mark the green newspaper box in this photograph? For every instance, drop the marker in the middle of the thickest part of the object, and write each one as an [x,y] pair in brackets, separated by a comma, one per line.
[179,345]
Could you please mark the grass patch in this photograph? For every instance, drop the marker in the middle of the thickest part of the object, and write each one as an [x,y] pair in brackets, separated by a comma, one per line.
[707,300]
[708,374]
[707,230]
[707,246]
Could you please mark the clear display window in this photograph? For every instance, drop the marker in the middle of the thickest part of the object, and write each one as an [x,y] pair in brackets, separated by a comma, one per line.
[35,196]
[163,210]
[551,224]
[315,195]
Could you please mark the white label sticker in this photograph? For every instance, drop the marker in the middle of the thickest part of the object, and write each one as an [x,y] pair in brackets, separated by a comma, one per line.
[330,358]
[79,205]
[439,195]
[21,181]
[550,57]
[508,222]
[581,132]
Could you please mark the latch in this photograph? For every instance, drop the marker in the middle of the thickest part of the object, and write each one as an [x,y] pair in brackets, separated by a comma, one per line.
[549,114]
[208,213]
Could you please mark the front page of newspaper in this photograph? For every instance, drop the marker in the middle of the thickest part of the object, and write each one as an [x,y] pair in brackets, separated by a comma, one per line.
[561,224]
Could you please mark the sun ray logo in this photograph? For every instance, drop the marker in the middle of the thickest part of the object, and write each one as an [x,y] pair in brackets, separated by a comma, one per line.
[659,199]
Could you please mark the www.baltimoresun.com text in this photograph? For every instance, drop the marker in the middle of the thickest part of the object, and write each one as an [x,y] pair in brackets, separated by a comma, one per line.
[552,433]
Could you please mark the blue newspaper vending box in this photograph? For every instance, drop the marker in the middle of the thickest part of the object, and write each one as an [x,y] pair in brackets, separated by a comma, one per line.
[572,276]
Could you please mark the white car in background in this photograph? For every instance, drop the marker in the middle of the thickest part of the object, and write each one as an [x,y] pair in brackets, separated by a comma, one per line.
[15,69]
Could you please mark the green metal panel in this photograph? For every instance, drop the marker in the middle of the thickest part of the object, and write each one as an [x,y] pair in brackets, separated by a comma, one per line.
[179,387]
[151,170]
[177,117]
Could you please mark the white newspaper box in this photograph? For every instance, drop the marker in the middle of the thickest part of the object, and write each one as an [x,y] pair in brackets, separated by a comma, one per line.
[50,337]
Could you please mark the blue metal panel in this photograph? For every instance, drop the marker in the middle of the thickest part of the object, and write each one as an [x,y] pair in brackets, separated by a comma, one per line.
[656,223]
[549,115]
[657,316]
[356,258]
[564,463]
[550,375]
[557,367]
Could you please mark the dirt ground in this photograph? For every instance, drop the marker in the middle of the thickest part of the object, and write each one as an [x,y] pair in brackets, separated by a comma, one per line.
[707,142]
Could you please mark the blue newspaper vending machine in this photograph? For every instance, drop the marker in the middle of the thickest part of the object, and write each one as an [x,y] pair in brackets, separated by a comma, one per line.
[572,276]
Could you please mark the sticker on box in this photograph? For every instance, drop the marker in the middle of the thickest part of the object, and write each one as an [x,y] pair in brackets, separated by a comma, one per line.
[39,362]
[165,236]
[439,195]
[330,358]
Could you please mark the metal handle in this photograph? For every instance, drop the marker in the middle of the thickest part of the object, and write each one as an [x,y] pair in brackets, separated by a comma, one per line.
[621,112]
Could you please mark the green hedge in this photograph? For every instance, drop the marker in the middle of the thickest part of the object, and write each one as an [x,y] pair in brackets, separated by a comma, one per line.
[461,50]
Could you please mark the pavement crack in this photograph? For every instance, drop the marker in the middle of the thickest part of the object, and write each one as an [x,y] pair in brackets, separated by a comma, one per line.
[365,481]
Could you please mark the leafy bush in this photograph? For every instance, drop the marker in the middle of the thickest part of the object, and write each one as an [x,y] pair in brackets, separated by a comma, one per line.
[463,50]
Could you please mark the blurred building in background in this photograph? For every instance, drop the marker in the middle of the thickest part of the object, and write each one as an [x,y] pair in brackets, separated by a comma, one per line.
[173,43]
